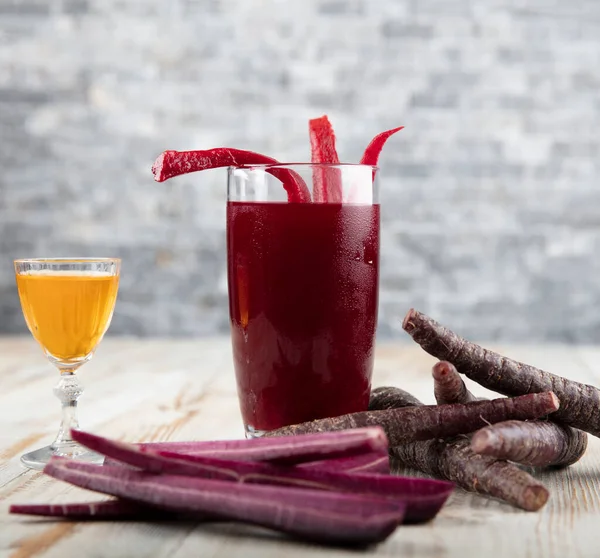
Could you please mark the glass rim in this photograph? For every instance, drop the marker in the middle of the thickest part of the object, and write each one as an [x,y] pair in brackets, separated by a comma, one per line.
[66,260]
[286,165]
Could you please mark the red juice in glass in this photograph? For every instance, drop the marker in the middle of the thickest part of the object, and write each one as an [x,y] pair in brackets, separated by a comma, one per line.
[303,297]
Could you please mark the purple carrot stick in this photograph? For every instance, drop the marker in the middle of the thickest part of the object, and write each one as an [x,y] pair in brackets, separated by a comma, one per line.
[284,450]
[332,517]
[368,462]
[106,509]
[371,462]
[424,497]
[371,154]
[374,462]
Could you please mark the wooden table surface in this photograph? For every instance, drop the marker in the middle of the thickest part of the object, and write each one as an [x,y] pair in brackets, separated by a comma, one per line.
[182,390]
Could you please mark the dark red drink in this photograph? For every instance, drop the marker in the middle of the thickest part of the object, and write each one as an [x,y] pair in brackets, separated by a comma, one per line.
[303,297]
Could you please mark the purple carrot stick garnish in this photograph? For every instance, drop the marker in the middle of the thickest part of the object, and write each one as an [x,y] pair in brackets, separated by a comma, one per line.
[173,163]
[371,154]
[327,181]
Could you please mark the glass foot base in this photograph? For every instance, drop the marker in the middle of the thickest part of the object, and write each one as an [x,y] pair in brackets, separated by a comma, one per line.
[38,458]
[252,432]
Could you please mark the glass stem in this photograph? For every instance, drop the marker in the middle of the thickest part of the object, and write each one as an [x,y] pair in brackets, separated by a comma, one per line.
[68,389]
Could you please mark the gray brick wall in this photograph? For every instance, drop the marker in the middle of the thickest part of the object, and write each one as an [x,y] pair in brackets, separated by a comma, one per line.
[491,201]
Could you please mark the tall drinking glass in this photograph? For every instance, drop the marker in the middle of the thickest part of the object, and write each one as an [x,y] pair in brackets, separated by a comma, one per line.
[303,284]
[68,305]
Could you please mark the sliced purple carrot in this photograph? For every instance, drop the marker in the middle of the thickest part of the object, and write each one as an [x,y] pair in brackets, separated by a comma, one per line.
[107,509]
[423,497]
[327,187]
[373,462]
[285,450]
[331,517]
[420,494]
[173,163]
[371,154]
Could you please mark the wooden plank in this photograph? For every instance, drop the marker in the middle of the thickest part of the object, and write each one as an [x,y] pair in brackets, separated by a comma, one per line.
[160,389]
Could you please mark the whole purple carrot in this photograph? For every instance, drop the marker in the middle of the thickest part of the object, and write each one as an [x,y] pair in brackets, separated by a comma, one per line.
[389,397]
[534,443]
[537,444]
[412,424]
[454,460]
[580,403]
[448,386]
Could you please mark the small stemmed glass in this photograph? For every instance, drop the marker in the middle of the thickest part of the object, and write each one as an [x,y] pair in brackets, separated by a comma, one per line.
[68,305]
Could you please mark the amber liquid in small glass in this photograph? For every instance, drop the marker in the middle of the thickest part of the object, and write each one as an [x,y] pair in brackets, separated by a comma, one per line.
[68,312]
